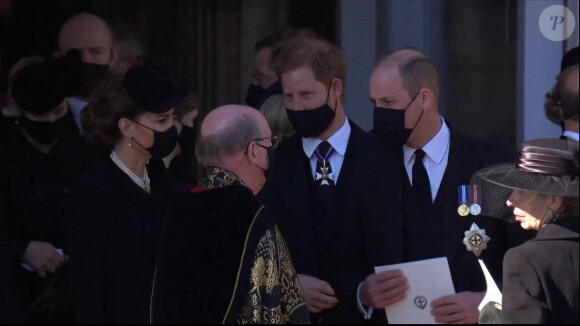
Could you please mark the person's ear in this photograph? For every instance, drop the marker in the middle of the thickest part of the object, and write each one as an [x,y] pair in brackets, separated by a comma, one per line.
[252,153]
[115,55]
[426,98]
[336,87]
[125,126]
[555,203]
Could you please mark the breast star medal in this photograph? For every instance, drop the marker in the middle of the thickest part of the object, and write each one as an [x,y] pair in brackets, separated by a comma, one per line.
[463,193]
[475,240]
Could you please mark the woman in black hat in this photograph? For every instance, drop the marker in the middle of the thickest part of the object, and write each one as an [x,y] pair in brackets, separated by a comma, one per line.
[45,152]
[116,210]
[540,277]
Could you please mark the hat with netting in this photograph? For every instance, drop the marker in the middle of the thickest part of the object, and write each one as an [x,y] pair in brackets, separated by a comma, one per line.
[545,166]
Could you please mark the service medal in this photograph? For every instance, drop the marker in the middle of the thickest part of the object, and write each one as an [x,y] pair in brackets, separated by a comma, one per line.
[463,194]
[475,208]
[463,210]
[475,240]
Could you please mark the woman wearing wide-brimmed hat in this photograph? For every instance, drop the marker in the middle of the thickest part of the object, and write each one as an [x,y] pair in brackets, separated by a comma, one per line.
[540,277]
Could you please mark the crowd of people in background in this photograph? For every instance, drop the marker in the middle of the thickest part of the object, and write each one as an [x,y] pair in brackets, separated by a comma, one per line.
[119,203]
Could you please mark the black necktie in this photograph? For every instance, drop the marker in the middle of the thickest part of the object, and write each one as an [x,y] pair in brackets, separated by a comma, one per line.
[323,176]
[323,195]
[421,186]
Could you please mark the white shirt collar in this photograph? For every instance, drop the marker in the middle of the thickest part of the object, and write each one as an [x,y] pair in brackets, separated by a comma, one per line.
[76,106]
[571,134]
[338,141]
[433,149]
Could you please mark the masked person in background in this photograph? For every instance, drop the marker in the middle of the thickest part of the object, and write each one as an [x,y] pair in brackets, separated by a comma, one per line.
[91,37]
[181,163]
[265,82]
[116,210]
[45,154]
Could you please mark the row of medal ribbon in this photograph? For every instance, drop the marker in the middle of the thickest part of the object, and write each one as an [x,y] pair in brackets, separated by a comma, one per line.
[468,200]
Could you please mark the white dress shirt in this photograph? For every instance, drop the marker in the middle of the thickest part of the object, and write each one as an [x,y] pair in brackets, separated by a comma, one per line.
[338,141]
[76,106]
[435,162]
[571,134]
[435,159]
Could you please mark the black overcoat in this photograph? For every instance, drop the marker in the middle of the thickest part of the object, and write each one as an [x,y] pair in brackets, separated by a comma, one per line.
[113,231]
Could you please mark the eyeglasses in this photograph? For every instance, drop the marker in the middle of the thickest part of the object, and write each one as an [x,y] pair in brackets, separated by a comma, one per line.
[272,140]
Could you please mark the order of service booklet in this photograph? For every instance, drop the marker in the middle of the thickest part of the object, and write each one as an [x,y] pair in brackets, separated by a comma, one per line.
[428,280]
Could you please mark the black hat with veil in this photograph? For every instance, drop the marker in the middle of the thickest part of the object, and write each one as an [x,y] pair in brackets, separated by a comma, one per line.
[545,166]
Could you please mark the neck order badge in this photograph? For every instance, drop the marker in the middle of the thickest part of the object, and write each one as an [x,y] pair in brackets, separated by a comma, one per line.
[325,174]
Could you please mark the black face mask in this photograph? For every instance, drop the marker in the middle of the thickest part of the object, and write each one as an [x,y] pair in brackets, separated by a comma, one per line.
[46,132]
[268,173]
[391,123]
[187,139]
[163,141]
[90,76]
[256,95]
[311,123]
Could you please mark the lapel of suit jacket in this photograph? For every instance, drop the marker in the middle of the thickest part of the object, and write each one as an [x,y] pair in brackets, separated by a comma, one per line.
[293,187]
[344,191]
[461,160]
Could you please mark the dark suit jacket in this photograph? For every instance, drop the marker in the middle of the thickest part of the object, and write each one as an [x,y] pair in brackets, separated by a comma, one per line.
[541,277]
[445,237]
[365,229]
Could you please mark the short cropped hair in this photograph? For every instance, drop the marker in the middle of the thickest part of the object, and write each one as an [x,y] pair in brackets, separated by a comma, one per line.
[324,58]
[214,148]
[417,73]
[563,97]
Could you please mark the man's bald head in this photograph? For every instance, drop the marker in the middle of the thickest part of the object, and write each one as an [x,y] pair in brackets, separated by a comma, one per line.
[89,34]
[415,68]
[226,131]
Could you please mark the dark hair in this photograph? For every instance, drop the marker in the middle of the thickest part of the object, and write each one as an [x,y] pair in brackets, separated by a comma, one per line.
[107,105]
[570,206]
[564,97]
[278,40]
[324,58]
[189,103]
